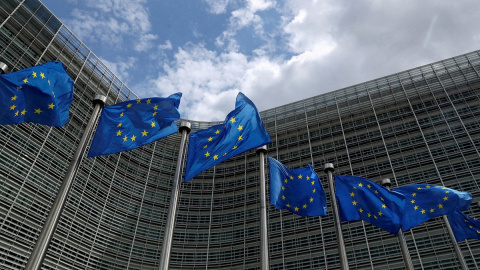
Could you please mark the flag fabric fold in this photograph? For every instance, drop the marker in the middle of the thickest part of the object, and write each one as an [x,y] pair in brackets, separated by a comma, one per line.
[424,202]
[134,123]
[464,226]
[41,94]
[296,190]
[242,130]
[362,199]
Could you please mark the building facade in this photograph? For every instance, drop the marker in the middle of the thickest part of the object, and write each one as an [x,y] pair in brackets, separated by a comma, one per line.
[417,126]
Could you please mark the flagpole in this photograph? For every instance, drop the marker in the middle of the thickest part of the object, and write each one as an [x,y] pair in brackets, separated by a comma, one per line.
[401,237]
[39,251]
[3,68]
[336,217]
[263,210]
[461,259]
[184,129]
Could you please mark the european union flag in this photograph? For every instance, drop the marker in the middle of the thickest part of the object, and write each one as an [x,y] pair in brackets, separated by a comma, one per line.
[134,123]
[362,199]
[463,226]
[424,202]
[297,190]
[40,94]
[242,130]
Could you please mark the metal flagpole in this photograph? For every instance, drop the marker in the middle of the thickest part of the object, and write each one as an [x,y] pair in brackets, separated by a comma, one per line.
[461,259]
[184,128]
[3,68]
[401,237]
[38,254]
[263,210]
[336,217]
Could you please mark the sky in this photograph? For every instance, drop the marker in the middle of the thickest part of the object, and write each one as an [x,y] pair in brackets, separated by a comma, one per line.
[275,52]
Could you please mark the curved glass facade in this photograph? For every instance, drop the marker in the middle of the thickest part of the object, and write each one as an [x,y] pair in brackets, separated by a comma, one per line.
[416,126]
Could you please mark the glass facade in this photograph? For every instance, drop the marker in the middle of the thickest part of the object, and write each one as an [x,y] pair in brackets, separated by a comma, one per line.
[416,126]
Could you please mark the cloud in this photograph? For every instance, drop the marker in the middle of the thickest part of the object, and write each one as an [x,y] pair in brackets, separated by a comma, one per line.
[122,67]
[113,23]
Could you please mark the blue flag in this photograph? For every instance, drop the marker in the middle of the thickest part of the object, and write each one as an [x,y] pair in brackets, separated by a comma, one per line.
[134,123]
[424,202]
[242,130]
[362,199]
[464,227]
[297,190]
[40,94]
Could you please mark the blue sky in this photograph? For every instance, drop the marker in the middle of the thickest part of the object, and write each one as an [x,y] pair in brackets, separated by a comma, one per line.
[275,52]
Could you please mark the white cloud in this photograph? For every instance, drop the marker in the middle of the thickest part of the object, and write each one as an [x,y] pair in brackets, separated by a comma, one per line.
[122,68]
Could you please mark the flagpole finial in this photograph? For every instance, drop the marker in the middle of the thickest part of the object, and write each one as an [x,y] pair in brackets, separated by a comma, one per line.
[3,68]
[386,182]
[328,167]
[262,149]
[100,99]
[185,125]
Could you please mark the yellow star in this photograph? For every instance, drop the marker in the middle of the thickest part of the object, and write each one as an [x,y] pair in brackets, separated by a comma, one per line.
[283,197]
[314,190]
[414,194]
[23,112]
[16,113]
[240,128]
[283,188]
[119,133]
[288,205]
[431,210]
[352,194]
[308,177]
[354,202]
[42,75]
[380,213]
[129,105]
[376,191]
[361,210]
[119,125]
[153,124]
[384,206]
[232,120]
[154,113]
[440,206]
[235,147]
[215,157]
[416,207]
[412,201]
[49,84]
[304,206]
[375,217]
[369,215]
[224,154]
[121,115]
[34,74]
[207,154]
[419,188]
[133,138]
[125,138]
[286,181]
[25,80]
[382,199]
[428,186]
[148,101]
[19,87]
[300,176]
[296,209]
[13,107]
[155,107]
[38,111]
[210,139]
[445,198]
[144,133]
[239,137]
[423,211]
[50,106]
[360,185]
[139,100]
[369,186]
[14,98]
[313,183]
[311,199]
[218,131]
[447,191]
[205,146]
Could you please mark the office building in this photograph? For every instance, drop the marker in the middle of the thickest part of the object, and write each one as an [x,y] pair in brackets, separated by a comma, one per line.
[417,126]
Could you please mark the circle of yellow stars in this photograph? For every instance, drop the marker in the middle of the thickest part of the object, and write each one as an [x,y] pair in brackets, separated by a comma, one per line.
[291,179]
[122,120]
[214,137]
[375,214]
[423,211]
